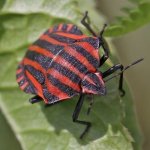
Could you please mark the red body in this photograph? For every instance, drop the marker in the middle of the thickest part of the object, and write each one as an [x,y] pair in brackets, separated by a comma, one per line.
[62,63]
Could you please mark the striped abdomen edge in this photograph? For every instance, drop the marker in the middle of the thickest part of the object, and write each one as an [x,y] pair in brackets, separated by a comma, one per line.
[68,28]
[23,81]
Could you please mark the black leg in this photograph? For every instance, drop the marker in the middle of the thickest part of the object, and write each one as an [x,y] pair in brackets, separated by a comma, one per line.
[103,43]
[76,115]
[35,99]
[111,71]
[105,47]
[91,103]
[106,52]
[87,25]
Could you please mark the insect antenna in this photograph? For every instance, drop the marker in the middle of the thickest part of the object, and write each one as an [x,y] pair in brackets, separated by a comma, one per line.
[125,68]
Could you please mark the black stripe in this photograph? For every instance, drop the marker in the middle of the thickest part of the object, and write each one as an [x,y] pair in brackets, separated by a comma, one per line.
[54,49]
[50,97]
[22,82]
[49,46]
[95,79]
[93,61]
[41,59]
[75,30]
[45,62]
[62,39]
[66,72]
[38,75]
[18,75]
[64,88]
[92,41]
[55,28]
[64,27]
[92,87]
[46,32]
[30,89]
[74,61]
[19,66]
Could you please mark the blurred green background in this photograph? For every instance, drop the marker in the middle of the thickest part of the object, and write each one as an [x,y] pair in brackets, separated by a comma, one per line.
[129,47]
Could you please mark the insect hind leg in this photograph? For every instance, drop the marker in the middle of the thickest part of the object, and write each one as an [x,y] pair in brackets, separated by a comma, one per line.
[76,115]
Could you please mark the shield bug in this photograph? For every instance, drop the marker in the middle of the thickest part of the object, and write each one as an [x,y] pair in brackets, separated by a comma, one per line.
[63,63]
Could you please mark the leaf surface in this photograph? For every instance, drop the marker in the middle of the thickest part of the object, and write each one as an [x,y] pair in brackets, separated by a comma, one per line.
[134,18]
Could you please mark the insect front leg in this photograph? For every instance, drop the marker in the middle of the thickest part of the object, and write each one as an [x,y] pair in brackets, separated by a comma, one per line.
[76,115]
[86,24]
[111,71]
[35,99]
[103,43]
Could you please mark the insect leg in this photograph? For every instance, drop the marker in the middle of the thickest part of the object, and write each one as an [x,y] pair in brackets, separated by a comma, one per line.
[35,99]
[87,25]
[103,43]
[102,40]
[76,115]
[91,103]
[106,51]
[111,71]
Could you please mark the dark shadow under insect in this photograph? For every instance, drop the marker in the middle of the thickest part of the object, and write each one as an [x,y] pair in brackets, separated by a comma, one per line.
[103,44]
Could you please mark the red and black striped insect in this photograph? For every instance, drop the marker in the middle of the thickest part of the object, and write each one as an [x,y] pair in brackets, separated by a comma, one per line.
[63,63]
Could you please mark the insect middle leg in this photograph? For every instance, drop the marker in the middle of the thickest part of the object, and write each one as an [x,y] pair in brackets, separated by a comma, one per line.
[35,99]
[111,71]
[76,115]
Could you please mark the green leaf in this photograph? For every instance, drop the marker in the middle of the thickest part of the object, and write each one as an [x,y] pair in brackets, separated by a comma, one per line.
[38,128]
[135,18]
